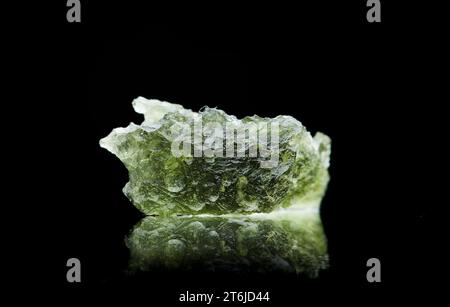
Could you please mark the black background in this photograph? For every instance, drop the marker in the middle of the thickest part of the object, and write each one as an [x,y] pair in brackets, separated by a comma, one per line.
[368,86]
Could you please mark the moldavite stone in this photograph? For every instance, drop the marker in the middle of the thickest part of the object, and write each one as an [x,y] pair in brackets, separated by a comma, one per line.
[161,183]
[215,211]
[287,241]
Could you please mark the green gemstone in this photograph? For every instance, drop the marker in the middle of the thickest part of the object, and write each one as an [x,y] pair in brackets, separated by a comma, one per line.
[240,203]
[162,184]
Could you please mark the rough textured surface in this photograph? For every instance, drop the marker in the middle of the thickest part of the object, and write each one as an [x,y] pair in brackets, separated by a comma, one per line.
[292,242]
[163,184]
[223,213]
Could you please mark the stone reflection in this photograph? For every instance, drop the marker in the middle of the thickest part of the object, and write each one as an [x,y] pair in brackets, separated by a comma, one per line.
[289,241]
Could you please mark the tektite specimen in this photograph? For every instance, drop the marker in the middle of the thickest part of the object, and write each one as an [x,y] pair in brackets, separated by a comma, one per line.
[260,216]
